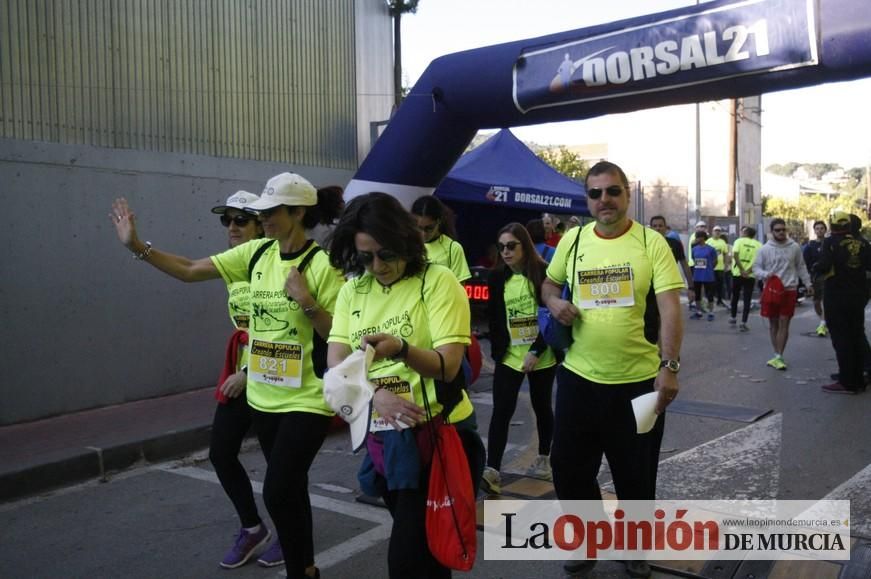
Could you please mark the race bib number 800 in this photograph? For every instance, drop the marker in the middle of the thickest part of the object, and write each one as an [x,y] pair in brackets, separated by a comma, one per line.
[276,363]
[607,287]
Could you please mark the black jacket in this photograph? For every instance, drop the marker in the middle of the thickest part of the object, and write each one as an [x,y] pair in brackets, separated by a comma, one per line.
[500,340]
[843,261]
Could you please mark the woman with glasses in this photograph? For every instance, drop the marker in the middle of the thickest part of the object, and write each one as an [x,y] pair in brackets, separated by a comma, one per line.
[293,291]
[519,350]
[416,316]
[436,222]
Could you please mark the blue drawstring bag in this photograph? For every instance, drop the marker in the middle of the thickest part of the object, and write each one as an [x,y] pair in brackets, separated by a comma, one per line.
[557,335]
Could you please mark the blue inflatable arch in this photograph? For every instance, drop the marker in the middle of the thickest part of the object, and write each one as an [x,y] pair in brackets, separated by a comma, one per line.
[717,50]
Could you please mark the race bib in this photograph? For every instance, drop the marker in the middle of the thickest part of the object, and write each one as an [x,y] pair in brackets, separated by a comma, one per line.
[276,363]
[523,330]
[700,263]
[607,287]
[398,386]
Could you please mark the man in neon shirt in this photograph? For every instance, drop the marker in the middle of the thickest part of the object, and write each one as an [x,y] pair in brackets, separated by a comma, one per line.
[743,254]
[619,272]
[717,242]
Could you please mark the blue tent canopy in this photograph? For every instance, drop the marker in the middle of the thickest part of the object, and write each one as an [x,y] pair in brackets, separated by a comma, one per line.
[504,172]
[503,181]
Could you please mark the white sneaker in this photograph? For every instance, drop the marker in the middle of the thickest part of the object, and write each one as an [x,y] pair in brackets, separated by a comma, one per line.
[492,481]
[541,468]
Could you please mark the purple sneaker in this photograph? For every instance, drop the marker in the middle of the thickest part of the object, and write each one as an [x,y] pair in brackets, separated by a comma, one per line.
[246,544]
[271,557]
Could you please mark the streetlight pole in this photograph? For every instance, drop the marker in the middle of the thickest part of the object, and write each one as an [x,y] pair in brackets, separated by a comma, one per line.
[698,161]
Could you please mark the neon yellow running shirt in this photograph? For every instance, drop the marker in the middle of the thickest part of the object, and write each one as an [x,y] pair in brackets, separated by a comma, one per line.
[521,314]
[445,251]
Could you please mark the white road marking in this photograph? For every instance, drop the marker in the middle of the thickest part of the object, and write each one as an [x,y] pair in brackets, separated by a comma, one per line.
[857,490]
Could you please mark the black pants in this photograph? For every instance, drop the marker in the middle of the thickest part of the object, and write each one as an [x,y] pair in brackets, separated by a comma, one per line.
[593,420]
[290,441]
[229,427]
[506,385]
[742,285]
[408,555]
[719,283]
[845,318]
[707,287]
[467,429]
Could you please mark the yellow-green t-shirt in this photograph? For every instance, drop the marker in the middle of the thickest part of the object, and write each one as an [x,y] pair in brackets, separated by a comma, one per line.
[239,304]
[281,376]
[366,307]
[744,250]
[722,248]
[609,345]
[445,251]
[521,315]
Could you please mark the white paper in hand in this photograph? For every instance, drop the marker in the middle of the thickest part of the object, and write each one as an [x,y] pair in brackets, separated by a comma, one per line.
[644,408]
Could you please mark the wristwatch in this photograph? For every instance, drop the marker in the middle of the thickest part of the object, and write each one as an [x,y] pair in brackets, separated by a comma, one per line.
[672,365]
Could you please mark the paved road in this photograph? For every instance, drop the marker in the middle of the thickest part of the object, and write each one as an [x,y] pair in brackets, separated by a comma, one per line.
[172,520]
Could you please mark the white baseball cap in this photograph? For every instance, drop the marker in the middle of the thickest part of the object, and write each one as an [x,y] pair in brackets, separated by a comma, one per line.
[349,393]
[238,200]
[286,189]
[701,224]
[717,228]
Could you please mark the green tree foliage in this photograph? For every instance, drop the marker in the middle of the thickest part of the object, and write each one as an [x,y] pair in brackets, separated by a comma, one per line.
[813,207]
[784,170]
[817,170]
[566,162]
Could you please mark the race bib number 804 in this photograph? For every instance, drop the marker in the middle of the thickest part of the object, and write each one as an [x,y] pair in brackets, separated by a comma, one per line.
[276,363]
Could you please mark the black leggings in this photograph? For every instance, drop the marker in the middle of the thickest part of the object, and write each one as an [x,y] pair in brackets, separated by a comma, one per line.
[742,285]
[506,385]
[229,427]
[708,287]
[408,555]
[290,441]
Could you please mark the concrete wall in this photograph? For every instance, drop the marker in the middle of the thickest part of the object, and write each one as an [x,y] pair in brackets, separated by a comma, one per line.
[84,324]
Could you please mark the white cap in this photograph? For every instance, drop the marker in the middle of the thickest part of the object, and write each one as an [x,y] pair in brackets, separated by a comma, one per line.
[349,393]
[717,228]
[286,189]
[701,224]
[238,200]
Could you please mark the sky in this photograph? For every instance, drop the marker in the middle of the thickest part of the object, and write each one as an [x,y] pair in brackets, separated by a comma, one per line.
[826,123]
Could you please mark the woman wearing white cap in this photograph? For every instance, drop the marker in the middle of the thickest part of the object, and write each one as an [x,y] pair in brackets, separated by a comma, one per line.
[293,293]
[416,316]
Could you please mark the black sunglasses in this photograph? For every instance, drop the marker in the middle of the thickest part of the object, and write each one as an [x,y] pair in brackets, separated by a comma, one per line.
[240,220]
[612,191]
[510,246]
[367,257]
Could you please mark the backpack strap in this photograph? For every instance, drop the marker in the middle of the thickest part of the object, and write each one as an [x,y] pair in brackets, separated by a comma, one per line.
[308,257]
[257,255]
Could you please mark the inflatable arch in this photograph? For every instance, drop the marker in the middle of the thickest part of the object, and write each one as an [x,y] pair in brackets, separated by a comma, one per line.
[717,50]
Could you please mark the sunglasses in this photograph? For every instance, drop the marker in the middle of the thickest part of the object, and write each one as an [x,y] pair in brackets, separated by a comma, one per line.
[367,257]
[240,220]
[612,191]
[510,246]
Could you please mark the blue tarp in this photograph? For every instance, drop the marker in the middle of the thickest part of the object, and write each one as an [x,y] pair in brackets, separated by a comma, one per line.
[503,172]
[503,181]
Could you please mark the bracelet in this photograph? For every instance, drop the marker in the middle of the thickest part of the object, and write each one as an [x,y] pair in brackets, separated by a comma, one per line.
[402,354]
[143,255]
[311,310]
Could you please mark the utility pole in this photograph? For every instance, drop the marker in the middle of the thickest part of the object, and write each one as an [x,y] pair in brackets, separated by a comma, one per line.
[731,192]
[698,161]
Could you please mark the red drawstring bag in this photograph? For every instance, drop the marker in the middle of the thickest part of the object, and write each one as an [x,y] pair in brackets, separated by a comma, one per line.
[450,505]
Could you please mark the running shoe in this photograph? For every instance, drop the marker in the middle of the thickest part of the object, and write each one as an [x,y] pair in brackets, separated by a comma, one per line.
[711,317]
[837,388]
[777,363]
[579,569]
[697,315]
[243,549]
[732,321]
[271,557]
[492,481]
[822,330]
[742,327]
[541,468]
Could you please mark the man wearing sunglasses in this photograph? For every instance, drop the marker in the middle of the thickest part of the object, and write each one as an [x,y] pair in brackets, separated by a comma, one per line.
[618,271]
[780,265]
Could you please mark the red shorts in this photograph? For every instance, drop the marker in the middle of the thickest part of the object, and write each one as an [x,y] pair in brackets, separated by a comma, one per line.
[782,307]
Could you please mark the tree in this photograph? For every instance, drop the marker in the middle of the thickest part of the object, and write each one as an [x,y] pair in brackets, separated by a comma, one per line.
[785,170]
[397,8]
[812,207]
[566,162]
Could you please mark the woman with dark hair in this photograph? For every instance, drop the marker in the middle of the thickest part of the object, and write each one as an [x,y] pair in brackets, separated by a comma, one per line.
[519,351]
[293,293]
[535,228]
[436,222]
[331,203]
[416,316]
